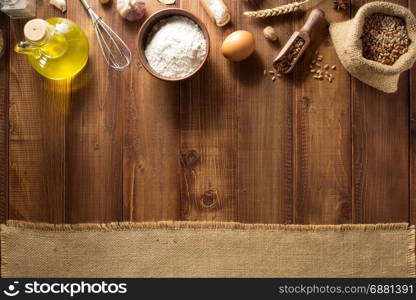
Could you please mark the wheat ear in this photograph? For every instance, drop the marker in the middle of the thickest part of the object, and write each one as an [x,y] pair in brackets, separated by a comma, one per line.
[276,11]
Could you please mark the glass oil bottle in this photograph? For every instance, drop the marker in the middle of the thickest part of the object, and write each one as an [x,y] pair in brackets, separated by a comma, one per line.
[57,48]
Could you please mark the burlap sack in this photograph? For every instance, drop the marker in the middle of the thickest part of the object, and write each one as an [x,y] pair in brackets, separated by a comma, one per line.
[346,37]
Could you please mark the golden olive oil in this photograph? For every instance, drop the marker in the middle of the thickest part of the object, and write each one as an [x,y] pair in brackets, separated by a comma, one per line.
[61,54]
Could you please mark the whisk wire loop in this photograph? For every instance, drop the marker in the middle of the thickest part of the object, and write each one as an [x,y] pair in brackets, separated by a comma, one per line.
[115,51]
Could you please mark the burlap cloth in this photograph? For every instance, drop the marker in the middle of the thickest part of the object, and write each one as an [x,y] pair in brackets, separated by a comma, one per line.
[185,249]
[346,37]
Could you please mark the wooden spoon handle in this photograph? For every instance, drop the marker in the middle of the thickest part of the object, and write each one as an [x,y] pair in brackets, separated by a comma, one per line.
[315,16]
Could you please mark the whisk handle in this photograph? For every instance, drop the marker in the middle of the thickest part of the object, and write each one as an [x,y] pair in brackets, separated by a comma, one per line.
[86,4]
[91,12]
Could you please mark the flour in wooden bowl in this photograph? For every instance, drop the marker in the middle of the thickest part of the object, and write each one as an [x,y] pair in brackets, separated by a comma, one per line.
[176,47]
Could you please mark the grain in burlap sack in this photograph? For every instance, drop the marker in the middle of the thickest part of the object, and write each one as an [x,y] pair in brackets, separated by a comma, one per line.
[346,37]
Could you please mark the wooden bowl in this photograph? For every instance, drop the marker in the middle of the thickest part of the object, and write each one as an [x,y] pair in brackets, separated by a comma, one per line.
[147,27]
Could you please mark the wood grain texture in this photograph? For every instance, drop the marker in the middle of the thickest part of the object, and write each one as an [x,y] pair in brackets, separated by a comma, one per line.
[412,142]
[380,150]
[208,131]
[322,129]
[4,128]
[265,120]
[37,137]
[94,131]
[151,161]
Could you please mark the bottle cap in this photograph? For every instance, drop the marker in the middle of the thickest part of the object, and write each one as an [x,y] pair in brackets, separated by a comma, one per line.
[35,30]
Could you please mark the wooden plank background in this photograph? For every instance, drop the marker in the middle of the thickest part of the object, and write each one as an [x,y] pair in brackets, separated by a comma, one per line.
[226,145]
[381,152]
[4,128]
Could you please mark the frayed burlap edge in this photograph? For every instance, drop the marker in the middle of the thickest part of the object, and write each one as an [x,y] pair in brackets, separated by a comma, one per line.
[120,226]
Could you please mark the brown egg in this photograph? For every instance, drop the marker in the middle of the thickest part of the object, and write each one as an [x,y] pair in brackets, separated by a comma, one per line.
[238,45]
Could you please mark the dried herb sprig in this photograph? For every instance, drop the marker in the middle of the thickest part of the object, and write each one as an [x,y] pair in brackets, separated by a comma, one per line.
[276,11]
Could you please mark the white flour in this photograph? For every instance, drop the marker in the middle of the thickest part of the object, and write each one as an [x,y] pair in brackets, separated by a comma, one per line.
[176,47]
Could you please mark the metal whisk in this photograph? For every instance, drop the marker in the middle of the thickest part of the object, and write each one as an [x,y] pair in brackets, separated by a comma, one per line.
[115,51]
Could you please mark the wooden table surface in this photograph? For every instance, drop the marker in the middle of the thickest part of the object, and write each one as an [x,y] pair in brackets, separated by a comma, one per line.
[226,145]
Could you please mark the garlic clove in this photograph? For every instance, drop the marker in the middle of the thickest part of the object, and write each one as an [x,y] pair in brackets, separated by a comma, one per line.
[59,4]
[131,10]
[167,2]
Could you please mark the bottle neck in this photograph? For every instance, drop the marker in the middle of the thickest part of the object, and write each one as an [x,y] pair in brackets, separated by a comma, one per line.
[52,46]
[47,38]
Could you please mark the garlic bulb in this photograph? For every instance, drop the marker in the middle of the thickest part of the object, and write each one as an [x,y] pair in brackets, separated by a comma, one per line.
[59,4]
[131,10]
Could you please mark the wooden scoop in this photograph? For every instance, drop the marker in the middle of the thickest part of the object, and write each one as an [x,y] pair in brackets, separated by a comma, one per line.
[305,33]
